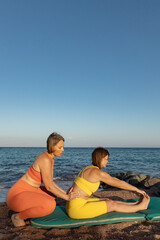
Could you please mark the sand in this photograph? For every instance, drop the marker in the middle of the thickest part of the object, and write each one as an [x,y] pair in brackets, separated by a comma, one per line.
[118,231]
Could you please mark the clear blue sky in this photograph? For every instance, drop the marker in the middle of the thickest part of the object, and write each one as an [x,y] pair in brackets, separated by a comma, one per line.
[88,69]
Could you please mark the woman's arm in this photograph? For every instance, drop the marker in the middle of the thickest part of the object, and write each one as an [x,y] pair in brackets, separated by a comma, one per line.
[58,187]
[46,171]
[115,182]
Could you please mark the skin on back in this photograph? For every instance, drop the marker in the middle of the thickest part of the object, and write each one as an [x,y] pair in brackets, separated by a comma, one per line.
[90,174]
[94,175]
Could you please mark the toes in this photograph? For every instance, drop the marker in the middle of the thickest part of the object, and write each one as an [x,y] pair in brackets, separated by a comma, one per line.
[17,222]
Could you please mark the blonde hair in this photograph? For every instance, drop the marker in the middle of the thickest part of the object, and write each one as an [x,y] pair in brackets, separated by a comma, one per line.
[98,154]
[52,140]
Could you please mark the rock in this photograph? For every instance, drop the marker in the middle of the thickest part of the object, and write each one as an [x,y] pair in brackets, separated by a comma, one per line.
[136,179]
[150,182]
[124,176]
[157,185]
[157,193]
[105,186]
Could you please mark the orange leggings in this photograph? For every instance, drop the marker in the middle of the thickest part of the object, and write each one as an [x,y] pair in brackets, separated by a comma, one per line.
[30,201]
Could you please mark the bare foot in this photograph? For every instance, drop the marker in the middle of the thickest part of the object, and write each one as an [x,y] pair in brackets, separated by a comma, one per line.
[140,199]
[144,203]
[17,222]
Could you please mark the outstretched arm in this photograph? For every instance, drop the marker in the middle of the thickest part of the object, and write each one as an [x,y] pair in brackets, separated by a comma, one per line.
[115,182]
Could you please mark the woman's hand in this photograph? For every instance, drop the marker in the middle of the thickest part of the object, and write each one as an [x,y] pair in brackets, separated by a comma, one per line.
[141,192]
[72,195]
[70,190]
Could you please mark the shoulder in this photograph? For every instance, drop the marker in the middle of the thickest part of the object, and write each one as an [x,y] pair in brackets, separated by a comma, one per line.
[43,160]
[95,171]
[101,174]
[43,156]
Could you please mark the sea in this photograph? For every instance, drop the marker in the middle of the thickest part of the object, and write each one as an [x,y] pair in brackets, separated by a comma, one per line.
[15,161]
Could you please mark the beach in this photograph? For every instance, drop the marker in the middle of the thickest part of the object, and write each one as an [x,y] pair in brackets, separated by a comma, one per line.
[15,161]
[76,76]
[149,230]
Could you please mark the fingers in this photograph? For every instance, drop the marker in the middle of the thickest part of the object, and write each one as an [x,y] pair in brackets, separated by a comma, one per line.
[143,193]
[69,190]
[147,196]
[73,195]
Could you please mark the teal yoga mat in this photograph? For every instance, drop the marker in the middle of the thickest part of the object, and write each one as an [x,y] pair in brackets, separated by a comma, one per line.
[60,219]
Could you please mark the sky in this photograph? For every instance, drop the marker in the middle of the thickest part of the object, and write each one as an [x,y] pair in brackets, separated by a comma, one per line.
[88,70]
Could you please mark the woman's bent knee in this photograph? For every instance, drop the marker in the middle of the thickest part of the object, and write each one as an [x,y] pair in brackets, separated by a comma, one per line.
[49,207]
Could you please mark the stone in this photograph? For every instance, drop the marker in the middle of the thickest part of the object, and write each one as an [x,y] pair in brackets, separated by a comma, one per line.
[136,179]
[152,182]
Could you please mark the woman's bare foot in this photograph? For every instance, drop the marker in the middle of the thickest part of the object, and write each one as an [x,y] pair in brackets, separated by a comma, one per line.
[144,203]
[17,222]
[140,200]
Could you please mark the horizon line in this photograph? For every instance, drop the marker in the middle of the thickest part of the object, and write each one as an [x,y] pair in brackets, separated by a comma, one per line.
[82,147]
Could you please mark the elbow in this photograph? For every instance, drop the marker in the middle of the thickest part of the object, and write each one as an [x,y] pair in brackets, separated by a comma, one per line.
[48,187]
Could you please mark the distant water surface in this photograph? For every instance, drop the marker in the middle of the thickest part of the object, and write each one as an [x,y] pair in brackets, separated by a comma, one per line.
[14,162]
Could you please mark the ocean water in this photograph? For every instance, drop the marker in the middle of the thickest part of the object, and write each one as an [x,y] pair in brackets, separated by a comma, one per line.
[14,162]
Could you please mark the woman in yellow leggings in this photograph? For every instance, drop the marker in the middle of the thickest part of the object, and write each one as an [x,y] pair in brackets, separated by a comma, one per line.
[88,181]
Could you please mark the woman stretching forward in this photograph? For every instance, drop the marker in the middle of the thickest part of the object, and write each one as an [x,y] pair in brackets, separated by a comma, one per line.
[88,181]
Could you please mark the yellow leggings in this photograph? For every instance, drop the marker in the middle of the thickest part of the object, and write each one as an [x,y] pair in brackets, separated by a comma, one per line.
[85,208]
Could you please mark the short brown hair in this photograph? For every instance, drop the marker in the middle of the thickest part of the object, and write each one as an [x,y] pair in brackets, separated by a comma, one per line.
[52,140]
[98,154]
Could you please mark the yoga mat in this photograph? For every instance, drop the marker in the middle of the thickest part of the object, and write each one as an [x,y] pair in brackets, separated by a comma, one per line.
[60,219]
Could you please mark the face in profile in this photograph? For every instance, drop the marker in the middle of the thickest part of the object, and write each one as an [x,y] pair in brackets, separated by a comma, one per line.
[59,148]
[104,161]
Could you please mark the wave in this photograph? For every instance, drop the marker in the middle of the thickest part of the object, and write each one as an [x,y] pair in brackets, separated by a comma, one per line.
[5,187]
[58,178]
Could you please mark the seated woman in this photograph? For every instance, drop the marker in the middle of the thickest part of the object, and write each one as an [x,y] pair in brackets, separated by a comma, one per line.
[88,181]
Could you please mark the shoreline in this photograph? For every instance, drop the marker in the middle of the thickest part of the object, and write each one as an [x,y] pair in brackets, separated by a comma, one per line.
[135,179]
[148,230]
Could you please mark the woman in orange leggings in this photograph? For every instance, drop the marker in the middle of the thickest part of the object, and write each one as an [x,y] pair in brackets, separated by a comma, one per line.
[27,196]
